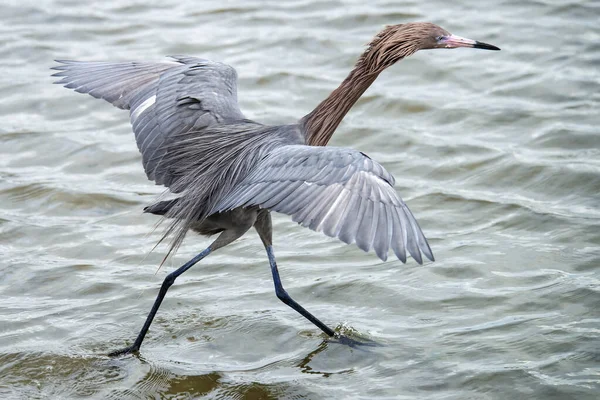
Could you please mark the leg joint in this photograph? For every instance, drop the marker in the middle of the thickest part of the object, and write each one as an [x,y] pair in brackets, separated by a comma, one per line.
[169,280]
[282,295]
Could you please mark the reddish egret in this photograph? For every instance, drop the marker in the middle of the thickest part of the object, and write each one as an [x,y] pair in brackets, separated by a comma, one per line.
[229,173]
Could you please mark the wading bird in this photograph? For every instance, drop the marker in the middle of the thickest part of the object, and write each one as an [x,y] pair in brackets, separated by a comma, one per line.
[228,173]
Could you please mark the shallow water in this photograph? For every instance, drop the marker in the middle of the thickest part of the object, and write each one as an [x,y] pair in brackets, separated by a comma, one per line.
[496,153]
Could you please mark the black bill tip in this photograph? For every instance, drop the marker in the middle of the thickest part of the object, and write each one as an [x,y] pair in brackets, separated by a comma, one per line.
[485,46]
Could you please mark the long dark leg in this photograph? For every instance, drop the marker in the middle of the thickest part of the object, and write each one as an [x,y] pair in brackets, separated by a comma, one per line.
[225,238]
[285,297]
[264,229]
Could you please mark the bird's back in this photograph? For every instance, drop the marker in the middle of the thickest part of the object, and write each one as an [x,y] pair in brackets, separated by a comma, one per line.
[208,164]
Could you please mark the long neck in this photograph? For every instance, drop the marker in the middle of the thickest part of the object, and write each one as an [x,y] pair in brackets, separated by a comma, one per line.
[389,46]
[321,122]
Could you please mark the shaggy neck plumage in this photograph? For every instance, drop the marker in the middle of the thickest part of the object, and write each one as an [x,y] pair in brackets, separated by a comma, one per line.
[320,124]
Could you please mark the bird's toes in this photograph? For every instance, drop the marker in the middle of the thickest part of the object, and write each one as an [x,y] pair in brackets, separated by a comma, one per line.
[348,341]
[122,352]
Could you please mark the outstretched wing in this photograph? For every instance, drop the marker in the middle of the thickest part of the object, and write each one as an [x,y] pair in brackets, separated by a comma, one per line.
[338,191]
[115,82]
[165,100]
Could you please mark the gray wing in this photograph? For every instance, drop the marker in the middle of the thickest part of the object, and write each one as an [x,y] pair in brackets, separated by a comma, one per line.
[338,191]
[166,100]
[115,82]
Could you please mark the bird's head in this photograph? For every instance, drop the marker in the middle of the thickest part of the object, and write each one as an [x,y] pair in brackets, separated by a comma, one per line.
[395,42]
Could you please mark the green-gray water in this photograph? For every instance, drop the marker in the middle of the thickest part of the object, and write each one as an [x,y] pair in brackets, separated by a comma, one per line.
[496,153]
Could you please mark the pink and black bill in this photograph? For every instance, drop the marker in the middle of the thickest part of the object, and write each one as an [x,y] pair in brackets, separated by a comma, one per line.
[453,41]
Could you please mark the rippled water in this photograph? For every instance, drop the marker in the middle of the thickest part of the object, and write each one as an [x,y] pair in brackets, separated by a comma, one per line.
[496,153]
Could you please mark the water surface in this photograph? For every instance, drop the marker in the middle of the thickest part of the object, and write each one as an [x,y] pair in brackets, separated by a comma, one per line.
[496,153]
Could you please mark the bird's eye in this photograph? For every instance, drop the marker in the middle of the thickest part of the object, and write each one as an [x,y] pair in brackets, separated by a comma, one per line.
[438,38]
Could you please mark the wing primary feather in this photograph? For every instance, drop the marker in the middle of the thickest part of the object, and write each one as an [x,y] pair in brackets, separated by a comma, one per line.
[349,221]
[421,240]
[327,205]
[315,207]
[411,243]
[93,80]
[376,199]
[364,233]
[398,235]
[333,218]
[381,240]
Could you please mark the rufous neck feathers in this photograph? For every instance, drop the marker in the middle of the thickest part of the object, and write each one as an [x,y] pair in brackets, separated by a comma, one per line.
[387,48]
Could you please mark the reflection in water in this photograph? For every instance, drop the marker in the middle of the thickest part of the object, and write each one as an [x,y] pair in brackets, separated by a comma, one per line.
[303,365]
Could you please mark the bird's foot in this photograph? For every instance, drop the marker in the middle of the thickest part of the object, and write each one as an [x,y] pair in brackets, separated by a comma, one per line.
[347,335]
[348,341]
[127,350]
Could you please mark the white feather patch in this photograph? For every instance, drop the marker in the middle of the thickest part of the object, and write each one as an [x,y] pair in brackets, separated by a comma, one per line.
[142,107]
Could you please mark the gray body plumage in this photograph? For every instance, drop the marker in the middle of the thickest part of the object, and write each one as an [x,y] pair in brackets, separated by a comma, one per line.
[222,167]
